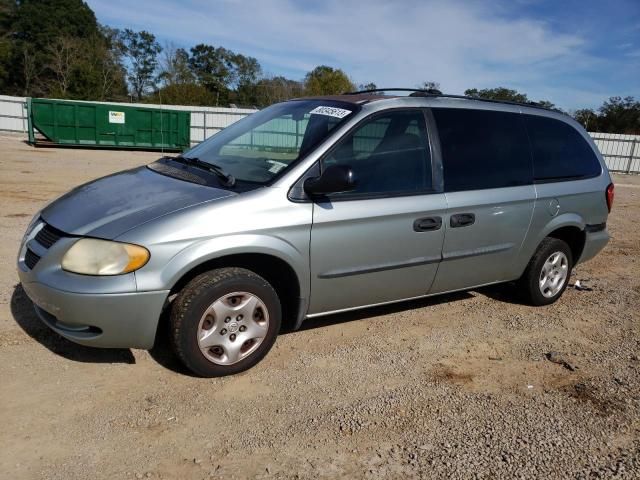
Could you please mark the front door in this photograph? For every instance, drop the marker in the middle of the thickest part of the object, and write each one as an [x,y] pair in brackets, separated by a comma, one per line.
[382,241]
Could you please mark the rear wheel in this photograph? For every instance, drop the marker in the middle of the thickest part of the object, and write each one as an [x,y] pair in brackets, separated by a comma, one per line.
[225,321]
[547,275]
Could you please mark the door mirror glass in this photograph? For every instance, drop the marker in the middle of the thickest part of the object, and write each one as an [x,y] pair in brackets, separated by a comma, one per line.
[334,179]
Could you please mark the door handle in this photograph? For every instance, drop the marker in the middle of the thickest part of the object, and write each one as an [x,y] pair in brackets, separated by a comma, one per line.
[427,224]
[462,220]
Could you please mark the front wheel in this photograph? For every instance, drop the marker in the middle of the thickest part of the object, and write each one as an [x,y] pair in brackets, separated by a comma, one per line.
[547,274]
[225,321]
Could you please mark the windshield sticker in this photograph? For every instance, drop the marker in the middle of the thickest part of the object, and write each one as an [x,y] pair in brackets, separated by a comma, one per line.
[331,111]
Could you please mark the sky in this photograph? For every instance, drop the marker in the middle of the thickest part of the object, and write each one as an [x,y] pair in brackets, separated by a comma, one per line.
[573,53]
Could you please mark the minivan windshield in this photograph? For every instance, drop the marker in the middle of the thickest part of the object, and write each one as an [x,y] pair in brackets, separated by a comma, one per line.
[261,146]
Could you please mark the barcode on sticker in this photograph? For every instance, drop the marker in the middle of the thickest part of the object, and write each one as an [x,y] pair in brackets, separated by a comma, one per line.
[331,111]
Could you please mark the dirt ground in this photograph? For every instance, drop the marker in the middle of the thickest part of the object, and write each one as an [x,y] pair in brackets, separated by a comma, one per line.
[456,386]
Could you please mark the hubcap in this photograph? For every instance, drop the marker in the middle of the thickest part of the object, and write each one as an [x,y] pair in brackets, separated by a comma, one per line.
[232,328]
[554,273]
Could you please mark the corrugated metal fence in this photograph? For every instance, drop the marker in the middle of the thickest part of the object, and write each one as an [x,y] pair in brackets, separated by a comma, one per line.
[621,152]
[205,121]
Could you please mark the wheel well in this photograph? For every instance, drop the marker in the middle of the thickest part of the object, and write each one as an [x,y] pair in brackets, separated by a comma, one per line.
[274,270]
[572,236]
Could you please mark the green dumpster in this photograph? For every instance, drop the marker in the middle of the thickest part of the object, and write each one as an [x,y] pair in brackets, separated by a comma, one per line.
[102,125]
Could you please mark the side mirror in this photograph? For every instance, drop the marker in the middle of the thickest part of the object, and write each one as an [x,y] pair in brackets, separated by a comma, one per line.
[334,179]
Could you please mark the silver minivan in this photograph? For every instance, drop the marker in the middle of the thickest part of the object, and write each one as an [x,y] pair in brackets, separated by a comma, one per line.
[316,206]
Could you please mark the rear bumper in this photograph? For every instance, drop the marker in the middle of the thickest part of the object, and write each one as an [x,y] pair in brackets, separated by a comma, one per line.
[122,320]
[595,241]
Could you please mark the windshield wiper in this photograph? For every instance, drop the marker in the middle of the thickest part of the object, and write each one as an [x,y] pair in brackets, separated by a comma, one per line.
[228,179]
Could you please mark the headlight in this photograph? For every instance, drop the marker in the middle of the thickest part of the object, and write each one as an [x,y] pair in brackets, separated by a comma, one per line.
[90,256]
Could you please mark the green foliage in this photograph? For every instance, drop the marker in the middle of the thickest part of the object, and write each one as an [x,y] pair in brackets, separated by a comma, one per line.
[587,118]
[367,86]
[56,48]
[182,94]
[499,93]
[141,50]
[175,69]
[430,86]
[505,94]
[277,89]
[324,80]
[212,67]
[616,115]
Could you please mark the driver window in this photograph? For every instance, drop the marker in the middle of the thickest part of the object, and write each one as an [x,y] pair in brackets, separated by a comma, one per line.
[388,154]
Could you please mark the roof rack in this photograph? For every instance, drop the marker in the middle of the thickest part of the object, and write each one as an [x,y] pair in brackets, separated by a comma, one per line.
[432,92]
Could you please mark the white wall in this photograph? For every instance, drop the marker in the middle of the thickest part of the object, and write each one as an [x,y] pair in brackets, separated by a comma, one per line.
[621,152]
[13,114]
[205,121]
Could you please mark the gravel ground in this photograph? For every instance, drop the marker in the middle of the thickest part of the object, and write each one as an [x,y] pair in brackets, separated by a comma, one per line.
[457,386]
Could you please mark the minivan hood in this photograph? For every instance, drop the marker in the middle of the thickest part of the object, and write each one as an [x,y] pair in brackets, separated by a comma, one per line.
[109,206]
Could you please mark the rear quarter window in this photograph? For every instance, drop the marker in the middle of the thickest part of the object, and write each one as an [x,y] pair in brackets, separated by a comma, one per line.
[483,149]
[559,151]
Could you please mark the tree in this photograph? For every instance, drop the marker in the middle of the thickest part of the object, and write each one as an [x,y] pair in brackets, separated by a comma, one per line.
[141,49]
[65,57]
[7,12]
[620,115]
[505,94]
[29,69]
[324,80]
[277,89]
[182,94]
[499,93]
[32,27]
[546,104]
[367,86]
[430,86]
[587,118]
[246,72]
[174,66]
[212,67]
[615,115]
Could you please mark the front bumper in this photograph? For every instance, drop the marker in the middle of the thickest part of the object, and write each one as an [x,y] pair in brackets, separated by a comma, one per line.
[123,320]
[94,311]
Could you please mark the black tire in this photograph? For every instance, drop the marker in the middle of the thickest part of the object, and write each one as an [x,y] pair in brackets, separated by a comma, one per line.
[191,303]
[529,285]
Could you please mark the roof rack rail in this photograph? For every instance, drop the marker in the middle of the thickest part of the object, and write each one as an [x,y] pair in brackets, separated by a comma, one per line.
[432,92]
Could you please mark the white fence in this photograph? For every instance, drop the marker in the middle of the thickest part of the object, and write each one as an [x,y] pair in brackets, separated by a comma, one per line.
[621,152]
[205,121]
[13,114]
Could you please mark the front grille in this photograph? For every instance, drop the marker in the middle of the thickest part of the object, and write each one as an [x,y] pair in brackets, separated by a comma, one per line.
[31,259]
[48,235]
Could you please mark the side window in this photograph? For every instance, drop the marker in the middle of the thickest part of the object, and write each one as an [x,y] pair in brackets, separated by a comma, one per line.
[389,154]
[483,149]
[559,151]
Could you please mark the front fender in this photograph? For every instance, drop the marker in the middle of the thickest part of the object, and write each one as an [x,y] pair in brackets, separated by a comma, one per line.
[202,251]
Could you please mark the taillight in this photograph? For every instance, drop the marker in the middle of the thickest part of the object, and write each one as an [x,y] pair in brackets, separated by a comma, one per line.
[610,196]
